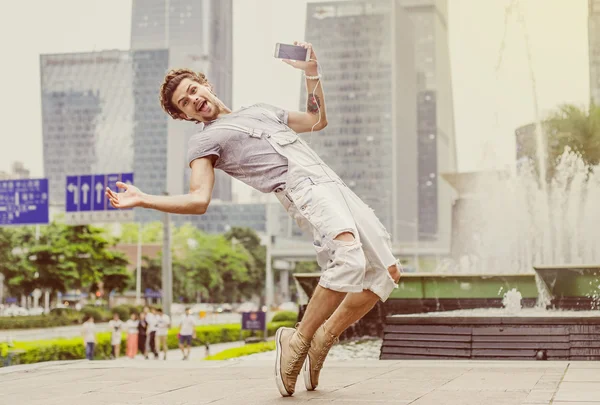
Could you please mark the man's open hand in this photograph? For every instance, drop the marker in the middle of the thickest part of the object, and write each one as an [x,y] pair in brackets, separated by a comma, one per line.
[310,67]
[132,197]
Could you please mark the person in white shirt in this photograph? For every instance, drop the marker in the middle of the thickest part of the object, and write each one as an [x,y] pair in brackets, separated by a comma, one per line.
[187,331]
[88,331]
[151,332]
[116,328]
[163,321]
[132,336]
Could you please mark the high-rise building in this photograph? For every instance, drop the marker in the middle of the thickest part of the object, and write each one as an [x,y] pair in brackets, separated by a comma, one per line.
[18,171]
[436,139]
[594,48]
[366,51]
[198,35]
[96,116]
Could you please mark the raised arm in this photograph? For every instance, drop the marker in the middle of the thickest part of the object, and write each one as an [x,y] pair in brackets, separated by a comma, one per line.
[315,116]
[196,201]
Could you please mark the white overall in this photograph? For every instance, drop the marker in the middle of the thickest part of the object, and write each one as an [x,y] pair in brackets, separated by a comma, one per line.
[321,203]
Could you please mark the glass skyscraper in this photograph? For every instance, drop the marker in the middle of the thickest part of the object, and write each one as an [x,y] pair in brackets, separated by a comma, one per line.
[198,35]
[387,85]
[594,48]
[97,114]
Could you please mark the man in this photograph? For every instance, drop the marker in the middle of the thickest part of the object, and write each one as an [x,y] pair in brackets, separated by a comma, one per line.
[88,331]
[187,331]
[259,145]
[163,321]
[151,332]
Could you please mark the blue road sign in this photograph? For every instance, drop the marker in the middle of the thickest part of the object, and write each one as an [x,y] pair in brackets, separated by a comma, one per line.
[111,181]
[99,201]
[86,202]
[85,193]
[24,202]
[72,194]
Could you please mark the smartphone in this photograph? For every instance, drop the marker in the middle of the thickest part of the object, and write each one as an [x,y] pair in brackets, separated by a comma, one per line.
[293,52]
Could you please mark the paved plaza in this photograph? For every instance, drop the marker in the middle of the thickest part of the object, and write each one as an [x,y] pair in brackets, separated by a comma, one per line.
[346,382]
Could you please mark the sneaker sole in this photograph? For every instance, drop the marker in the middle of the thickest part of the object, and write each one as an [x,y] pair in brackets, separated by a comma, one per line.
[306,372]
[278,380]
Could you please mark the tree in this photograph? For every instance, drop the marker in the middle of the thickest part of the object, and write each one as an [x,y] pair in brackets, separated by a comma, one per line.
[210,263]
[151,273]
[576,128]
[151,233]
[7,258]
[249,239]
[68,257]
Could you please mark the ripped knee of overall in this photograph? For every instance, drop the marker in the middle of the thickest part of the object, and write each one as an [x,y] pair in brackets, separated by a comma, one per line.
[395,271]
[346,249]
[346,236]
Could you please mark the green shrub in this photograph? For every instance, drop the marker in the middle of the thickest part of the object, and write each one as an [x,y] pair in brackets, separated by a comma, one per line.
[73,348]
[243,351]
[99,314]
[62,311]
[39,321]
[125,311]
[285,316]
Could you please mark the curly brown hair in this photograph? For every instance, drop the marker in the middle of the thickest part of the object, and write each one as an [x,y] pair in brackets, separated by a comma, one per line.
[173,78]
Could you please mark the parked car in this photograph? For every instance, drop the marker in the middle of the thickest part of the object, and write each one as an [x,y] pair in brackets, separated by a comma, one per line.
[289,306]
[247,307]
[225,308]
[14,310]
[35,311]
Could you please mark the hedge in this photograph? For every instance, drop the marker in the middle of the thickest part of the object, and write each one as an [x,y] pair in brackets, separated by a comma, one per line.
[67,317]
[72,349]
[285,316]
[39,321]
[243,351]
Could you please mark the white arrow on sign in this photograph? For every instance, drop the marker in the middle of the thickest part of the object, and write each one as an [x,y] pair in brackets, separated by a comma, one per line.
[74,189]
[17,198]
[85,188]
[99,188]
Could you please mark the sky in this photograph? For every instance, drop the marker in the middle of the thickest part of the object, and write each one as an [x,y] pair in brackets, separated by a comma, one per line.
[490,99]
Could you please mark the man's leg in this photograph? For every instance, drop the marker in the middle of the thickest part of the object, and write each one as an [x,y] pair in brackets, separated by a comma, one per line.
[182,347]
[348,261]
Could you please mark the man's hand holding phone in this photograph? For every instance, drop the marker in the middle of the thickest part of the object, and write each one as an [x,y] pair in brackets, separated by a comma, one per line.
[309,66]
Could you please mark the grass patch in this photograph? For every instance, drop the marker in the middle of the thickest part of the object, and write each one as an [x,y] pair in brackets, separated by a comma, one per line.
[246,350]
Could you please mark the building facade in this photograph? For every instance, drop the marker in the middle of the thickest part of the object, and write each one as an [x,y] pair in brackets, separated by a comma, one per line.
[436,138]
[198,35]
[96,116]
[594,48]
[366,51]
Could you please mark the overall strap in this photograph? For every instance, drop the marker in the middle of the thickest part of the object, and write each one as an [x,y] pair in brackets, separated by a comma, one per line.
[253,132]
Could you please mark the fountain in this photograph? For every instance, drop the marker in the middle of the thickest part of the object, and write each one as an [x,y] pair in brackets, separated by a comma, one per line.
[518,225]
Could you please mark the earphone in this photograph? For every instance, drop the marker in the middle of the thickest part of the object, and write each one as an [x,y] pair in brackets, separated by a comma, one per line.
[313,96]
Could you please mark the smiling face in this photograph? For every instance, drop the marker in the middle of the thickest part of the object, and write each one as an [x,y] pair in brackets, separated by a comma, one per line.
[195,101]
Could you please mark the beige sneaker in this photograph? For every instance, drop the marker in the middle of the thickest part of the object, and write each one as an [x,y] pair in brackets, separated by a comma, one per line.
[319,347]
[292,349]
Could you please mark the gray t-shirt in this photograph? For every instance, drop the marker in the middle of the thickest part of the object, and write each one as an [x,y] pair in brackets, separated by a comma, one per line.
[251,160]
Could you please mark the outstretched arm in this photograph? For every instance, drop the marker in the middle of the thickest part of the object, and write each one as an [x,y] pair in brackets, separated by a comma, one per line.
[195,202]
[315,116]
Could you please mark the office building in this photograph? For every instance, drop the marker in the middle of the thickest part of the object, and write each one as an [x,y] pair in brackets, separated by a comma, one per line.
[97,117]
[366,50]
[198,35]
[436,138]
[594,48]
[389,102]
[18,171]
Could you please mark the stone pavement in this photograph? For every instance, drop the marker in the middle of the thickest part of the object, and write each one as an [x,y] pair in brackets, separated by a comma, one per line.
[359,382]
